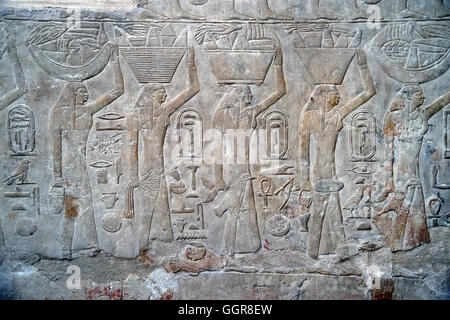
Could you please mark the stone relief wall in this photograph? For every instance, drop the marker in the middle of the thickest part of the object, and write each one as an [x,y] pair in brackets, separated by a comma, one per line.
[275,149]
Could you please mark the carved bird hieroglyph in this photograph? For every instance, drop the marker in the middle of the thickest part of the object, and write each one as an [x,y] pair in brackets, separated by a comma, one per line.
[20,174]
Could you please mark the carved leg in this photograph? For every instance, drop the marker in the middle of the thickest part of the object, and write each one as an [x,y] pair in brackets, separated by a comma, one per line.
[315,224]
[179,13]
[148,13]
[320,13]
[230,12]
[71,207]
[334,214]
[266,13]
[416,231]
[358,12]
[229,235]
[405,12]
[146,220]
[161,227]
[445,12]
[2,237]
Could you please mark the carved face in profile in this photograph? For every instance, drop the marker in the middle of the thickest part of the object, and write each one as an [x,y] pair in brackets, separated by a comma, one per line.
[417,99]
[82,96]
[333,98]
[408,95]
[160,95]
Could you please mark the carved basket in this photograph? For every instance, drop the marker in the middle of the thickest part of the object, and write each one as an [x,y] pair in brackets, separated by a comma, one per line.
[243,66]
[326,65]
[153,64]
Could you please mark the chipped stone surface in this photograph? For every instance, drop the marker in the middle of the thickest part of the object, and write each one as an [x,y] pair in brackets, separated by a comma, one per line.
[243,149]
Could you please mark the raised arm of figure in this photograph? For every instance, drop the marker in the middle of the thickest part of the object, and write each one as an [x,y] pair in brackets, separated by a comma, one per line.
[280,85]
[21,89]
[367,81]
[118,90]
[193,88]
[437,106]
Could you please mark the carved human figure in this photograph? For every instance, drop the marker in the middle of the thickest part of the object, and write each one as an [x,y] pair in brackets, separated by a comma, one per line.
[148,121]
[322,119]
[405,125]
[71,120]
[10,46]
[235,112]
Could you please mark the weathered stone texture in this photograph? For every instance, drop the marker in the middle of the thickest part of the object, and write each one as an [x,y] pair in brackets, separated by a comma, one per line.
[243,149]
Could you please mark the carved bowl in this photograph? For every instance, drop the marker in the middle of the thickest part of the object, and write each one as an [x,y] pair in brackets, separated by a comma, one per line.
[153,64]
[72,72]
[411,59]
[240,66]
[326,65]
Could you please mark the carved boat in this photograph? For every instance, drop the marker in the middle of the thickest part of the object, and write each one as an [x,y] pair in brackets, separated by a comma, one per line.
[240,66]
[153,64]
[70,73]
[326,65]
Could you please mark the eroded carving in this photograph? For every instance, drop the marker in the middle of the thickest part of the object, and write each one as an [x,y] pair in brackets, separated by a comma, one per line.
[404,128]
[9,44]
[149,120]
[236,112]
[321,118]
[58,49]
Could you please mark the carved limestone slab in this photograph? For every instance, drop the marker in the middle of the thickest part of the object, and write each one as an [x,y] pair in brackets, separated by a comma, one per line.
[280,137]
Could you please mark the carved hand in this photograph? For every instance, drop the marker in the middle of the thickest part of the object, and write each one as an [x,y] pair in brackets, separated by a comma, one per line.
[278,56]
[361,57]
[115,54]
[134,182]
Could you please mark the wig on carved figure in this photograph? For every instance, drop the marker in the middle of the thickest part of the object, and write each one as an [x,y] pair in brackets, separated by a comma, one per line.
[405,125]
[149,120]
[70,122]
[10,46]
[322,119]
[236,112]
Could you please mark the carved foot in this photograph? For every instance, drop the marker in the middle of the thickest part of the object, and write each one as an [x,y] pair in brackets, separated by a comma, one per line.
[268,14]
[148,14]
[360,14]
[234,15]
[325,14]
[407,14]
[180,13]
